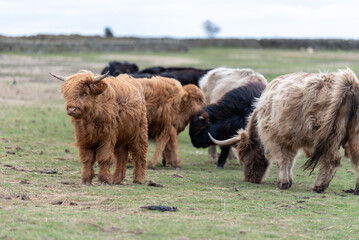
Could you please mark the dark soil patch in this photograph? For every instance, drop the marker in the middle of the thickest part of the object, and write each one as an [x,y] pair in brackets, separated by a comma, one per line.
[38,171]
[348,191]
[153,184]
[161,208]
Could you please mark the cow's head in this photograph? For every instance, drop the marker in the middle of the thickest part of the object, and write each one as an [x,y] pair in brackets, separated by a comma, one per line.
[116,68]
[80,92]
[193,99]
[199,128]
[250,151]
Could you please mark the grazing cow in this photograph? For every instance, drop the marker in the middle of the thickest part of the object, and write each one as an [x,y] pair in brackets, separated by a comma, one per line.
[116,68]
[183,74]
[224,118]
[163,97]
[219,81]
[192,101]
[109,117]
[317,112]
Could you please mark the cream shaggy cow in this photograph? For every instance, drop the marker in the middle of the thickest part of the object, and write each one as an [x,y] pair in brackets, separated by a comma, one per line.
[317,112]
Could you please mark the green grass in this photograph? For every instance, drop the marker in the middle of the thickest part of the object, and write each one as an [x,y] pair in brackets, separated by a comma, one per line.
[213,204]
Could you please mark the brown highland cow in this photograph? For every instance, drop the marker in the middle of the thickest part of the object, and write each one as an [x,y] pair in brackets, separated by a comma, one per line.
[316,112]
[109,117]
[192,101]
[165,101]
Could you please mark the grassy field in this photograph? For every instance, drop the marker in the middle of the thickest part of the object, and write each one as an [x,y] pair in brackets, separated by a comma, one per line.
[40,192]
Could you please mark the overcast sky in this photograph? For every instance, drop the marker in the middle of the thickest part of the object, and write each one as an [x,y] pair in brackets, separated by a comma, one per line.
[182,18]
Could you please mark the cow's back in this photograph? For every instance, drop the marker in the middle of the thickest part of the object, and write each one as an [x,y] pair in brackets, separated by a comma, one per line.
[128,104]
[163,97]
[292,108]
[217,82]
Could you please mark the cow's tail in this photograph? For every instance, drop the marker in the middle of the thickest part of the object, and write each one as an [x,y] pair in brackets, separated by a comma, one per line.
[344,98]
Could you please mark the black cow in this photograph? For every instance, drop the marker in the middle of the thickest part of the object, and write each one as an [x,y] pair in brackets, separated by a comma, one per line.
[184,75]
[224,118]
[116,68]
[150,75]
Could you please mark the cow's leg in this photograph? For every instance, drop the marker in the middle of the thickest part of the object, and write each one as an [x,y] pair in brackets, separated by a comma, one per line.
[353,152]
[212,151]
[328,164]
[139,154]
[139,162]
[170,153]
[222,157]
[285,160]
[356,165]
[160,142]
[351,149]
[166,155]
[121,160]
[87,158]
[103,157]
[290,171]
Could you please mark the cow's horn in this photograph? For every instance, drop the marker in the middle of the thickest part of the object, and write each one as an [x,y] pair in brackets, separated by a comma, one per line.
[224,142]
[61,78]
[99,78]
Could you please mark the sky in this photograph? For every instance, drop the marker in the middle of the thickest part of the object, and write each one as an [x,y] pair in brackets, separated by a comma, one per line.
[183,19]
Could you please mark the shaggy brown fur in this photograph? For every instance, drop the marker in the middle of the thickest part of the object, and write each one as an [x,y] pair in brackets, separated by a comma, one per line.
[110,121]
[163,98]
[192,101]
[317,112]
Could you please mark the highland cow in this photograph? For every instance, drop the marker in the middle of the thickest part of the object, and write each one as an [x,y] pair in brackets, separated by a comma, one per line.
[217,82]
[192,101]
[163,98]
[109,118]
[185,75]
[224,118]
[116,68]
[316,112]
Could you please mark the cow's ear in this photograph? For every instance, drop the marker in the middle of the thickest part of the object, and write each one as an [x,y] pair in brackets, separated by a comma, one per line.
[185,97]
[97,88]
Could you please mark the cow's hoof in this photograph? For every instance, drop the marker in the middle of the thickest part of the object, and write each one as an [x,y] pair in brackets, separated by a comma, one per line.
[319,189]
[178,168]
[283,185]
[218,167]
[86,183]
[290,183]
[164,162]
[116,182]
[105,184]
[151,168]
[138,181]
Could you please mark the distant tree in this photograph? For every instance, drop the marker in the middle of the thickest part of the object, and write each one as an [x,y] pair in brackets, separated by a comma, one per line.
[108,32]
[210,28]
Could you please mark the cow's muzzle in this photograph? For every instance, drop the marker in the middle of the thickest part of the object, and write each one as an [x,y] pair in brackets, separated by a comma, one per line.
[74,112]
